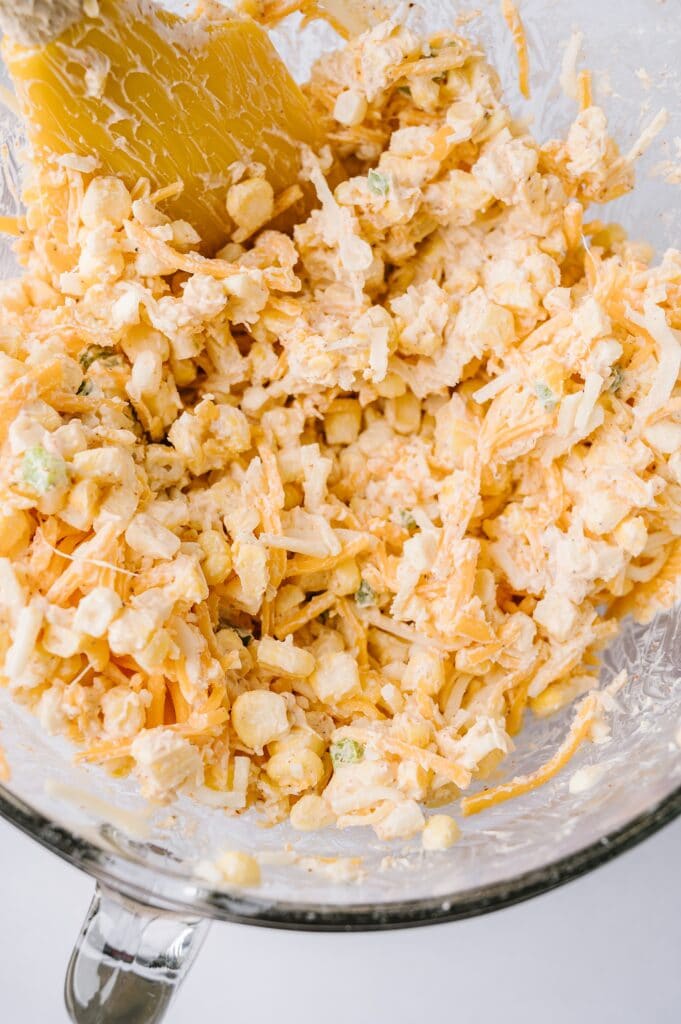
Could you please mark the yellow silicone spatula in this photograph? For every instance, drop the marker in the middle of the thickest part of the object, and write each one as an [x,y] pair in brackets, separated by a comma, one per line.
[152,94]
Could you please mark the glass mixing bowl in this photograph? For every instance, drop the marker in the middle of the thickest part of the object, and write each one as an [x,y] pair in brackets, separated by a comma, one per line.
[153,899]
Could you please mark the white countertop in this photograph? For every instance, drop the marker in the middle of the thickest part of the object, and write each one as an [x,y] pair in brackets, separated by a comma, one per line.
[602,950]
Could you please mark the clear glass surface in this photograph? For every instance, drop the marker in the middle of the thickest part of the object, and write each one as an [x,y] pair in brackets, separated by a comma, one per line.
[519,848]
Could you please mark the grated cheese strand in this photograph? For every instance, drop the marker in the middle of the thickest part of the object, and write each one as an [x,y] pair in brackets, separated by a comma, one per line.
[579,731]
[517,30]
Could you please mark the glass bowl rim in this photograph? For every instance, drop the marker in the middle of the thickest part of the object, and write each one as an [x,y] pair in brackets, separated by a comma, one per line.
[178,894]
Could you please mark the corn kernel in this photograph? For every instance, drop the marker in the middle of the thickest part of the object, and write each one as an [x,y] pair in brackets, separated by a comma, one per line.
[317,581]
[350,107]
[250,204]
[69,439]
[346,578]
[258,717]
[293,495]
[217,560]
[674,467]
[106,200]
[59,638]
[425,92]
[238,868]
[485,587]
[100,258]
[392,386]
[146,536]
[412,780]
[392,698]
[283,657]
[250,564]
[425,671]
[299,739]
[440,832]
[184,371]
[15,533]
[296,770]
[132,631]
[159,649]
[403,821]
[445,793]
[165,762]
[557,614]
[336,676]
[453,434]
[81,506]
[467,660]
[342,425]
[404,413]
[632,535]
[416,733]
[105,465]
[664,435]
[96,650]
[311,812]
[123,712]
[184,235]
[230,251]
[288,597]
[96,611]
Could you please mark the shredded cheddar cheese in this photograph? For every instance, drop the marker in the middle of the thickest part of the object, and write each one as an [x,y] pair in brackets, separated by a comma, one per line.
[517,30]
[584,93]
[579,731]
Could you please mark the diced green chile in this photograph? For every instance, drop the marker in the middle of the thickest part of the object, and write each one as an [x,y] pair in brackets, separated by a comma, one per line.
[346,751]
[407,520]
[616,378]
[365,596]
[94,352]
[42,470]
[378,183]
[545,396]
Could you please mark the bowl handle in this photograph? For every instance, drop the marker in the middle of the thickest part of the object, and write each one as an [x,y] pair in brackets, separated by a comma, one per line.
[128,961]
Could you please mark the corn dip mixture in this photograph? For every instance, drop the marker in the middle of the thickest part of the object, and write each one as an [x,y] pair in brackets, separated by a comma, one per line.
[308,524]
